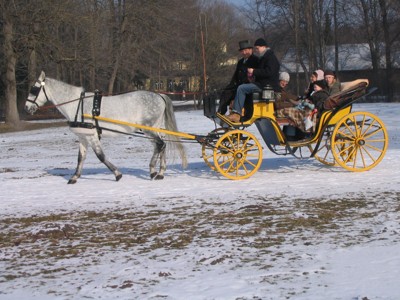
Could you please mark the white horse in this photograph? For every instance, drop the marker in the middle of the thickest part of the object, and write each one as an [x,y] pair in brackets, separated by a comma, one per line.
[139,107]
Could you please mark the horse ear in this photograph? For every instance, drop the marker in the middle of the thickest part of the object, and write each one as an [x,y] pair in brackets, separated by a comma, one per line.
[42,76]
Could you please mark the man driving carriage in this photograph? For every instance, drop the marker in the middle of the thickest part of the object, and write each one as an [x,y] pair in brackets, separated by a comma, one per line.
[248,60]
[266,73]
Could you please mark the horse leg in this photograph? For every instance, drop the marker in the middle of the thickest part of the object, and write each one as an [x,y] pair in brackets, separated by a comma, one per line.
[81,158]
[96,146]
[159,152]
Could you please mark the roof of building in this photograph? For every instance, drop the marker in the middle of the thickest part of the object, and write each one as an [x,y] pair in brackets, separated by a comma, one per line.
[352,57]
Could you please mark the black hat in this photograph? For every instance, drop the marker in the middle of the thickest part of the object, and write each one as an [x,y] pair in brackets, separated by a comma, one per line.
[244,45]
[329,72]
[260,42]
[321,83]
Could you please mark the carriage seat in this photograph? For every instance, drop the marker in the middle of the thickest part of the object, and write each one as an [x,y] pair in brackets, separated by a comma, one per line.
[350,92]
[344,86]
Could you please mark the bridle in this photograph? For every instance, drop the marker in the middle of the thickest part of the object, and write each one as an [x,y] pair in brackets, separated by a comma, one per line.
[35,91]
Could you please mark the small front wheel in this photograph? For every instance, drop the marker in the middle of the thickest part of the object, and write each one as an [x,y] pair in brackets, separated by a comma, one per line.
[207,149]
[237,154]
[359,141]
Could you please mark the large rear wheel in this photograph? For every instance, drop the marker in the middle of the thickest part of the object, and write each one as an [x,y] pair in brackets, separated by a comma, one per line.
[237,154]
[359,141]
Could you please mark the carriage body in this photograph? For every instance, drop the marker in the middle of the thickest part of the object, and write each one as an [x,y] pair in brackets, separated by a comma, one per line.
[356,141]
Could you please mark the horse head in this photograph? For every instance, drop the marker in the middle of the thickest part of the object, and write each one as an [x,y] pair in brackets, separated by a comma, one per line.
[37,95]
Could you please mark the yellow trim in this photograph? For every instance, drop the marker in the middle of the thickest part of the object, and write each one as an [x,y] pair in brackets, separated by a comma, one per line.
[144,127]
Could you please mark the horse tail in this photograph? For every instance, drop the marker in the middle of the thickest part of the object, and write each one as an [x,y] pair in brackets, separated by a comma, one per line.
[170,124]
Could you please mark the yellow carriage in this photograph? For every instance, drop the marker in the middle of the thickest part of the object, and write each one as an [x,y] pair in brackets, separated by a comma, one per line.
[356,141]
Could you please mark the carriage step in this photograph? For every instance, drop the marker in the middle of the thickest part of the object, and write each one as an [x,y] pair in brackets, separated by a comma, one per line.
[224,119]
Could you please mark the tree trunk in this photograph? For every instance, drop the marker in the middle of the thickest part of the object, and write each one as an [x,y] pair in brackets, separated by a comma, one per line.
[388,54]
[310,34]
[371,37]
[335,37]
[32,66]
[11,108]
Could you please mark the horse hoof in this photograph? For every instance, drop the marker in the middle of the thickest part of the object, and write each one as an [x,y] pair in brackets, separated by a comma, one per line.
[159,177]
[152,175]
[118,177]
[71,181]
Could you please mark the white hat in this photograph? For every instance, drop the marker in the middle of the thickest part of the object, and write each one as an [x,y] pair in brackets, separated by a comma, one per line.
[284,76]
[319,74]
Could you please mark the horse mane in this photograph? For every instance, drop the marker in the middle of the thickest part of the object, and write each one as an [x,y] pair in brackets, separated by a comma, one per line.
[60,82]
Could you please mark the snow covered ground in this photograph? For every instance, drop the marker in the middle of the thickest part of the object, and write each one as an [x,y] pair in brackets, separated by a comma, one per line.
[295,230]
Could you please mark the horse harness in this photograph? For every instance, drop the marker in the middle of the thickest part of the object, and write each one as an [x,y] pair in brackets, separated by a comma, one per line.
[96,109]
[80,122]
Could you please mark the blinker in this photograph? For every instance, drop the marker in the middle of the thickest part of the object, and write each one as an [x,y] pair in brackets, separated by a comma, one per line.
[35,90]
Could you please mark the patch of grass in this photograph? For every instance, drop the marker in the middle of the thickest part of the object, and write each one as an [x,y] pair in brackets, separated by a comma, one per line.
[6,170]
[260,229]
[23,126]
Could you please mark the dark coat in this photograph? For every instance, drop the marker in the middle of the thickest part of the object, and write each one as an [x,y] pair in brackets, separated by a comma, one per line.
[309,91]
[267,71]
[238,78]
[240,75]
[318,98]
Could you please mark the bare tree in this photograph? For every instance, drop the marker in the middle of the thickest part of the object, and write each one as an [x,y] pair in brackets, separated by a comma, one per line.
[217,21]
[390,16]
[10,57]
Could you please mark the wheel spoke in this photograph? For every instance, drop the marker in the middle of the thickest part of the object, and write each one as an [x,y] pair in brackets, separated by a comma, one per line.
[209,147]
[249,162]
[378,130]
[372,157]
[373,148]
[369,126]
[324,153]
[343,135]
[364,164]
[350,129]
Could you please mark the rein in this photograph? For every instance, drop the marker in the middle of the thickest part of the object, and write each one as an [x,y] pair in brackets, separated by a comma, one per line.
[80,122]
[60,104]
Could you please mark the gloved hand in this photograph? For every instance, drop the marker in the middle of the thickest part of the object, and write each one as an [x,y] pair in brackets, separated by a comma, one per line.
[305,104]
[309,105]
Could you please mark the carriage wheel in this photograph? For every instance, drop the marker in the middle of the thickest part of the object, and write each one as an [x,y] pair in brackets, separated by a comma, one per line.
[238,154]
[207,150]
[359,141]
[324,153]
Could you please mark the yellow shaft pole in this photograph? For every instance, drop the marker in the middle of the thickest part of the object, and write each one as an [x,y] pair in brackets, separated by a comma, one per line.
[176,133]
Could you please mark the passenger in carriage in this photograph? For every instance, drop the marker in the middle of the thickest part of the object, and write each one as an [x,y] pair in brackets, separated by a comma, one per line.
[283,98]
[266,72]
[320,94]
[333,82]
[248,60]
[315,76]
[303,116]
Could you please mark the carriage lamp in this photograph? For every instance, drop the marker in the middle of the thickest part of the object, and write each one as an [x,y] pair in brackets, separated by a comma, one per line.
[268,93]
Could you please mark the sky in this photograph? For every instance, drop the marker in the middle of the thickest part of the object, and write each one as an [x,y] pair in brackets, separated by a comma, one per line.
[296,229]
[236,2]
